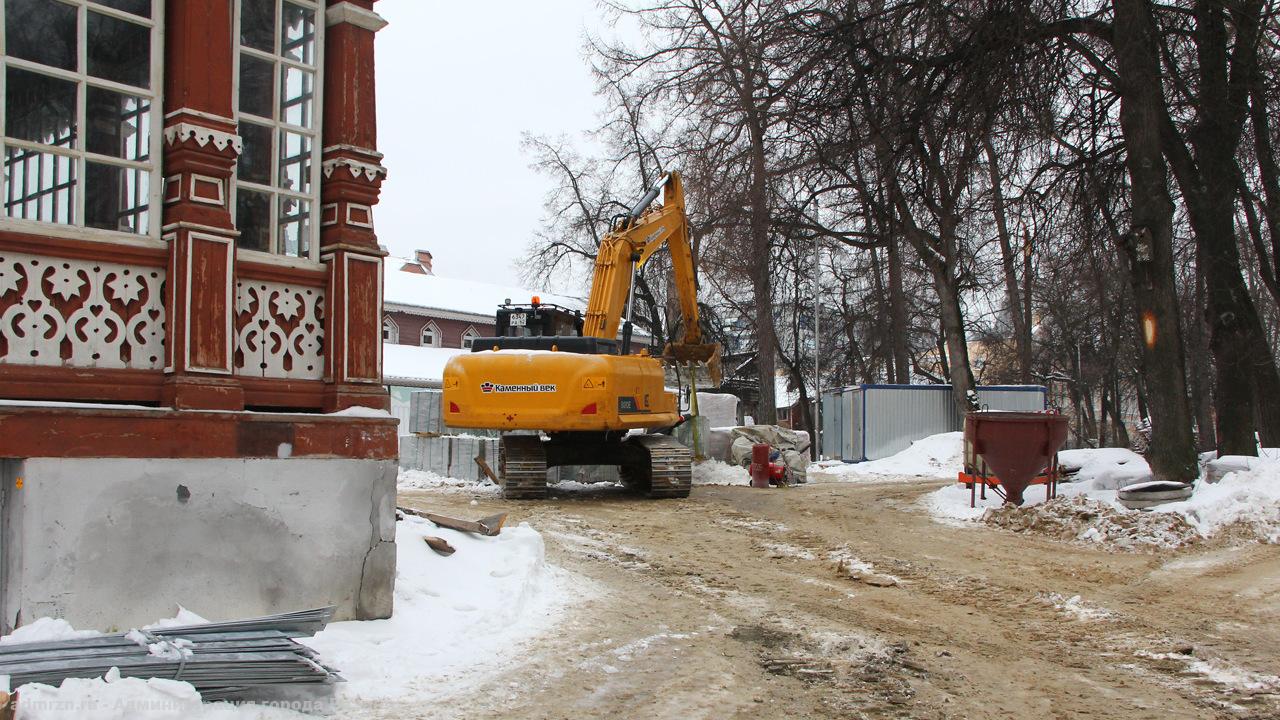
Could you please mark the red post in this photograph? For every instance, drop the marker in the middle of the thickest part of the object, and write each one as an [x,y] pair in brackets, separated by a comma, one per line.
[200,149]
[352,180]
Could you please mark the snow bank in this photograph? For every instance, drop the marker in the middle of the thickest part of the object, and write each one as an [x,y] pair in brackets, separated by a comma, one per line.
[1244,502]
[937,456]
[716,472]
[1104,468]
[426,480]
[454,617]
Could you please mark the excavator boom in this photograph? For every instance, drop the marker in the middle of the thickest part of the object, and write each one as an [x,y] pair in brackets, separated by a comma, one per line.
[625,250]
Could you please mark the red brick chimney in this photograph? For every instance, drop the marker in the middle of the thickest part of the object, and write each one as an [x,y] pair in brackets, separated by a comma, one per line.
[424,259]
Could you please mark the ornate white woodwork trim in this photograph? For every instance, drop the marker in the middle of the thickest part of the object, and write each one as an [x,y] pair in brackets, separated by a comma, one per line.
[182,132]
[345,12]
[371,171]
[99,311]
[281,330]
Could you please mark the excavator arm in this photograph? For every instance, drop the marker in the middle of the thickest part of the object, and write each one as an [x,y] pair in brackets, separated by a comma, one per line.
[634,239]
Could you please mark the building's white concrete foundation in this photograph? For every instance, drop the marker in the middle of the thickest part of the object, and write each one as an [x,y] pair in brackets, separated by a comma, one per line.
[116,543]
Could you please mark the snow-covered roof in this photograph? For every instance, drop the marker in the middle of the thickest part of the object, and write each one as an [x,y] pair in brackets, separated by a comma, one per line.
[415,365]
[452,295]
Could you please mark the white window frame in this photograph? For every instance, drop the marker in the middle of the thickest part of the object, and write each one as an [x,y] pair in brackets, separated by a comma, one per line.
[432,328]
[390,330]
[81,156]
[277,125]
[470,334]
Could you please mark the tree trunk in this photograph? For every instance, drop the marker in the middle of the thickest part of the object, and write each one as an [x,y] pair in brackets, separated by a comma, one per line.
[898,331]
[1013,295]
[1148,249]
[963,393]
[1242,358]
[762,278]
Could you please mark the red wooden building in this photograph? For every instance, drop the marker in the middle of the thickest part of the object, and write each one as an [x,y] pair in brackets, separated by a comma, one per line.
[187,225]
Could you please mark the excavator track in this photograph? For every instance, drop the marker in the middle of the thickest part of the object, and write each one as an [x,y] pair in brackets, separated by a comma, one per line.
[669,471]
[522,467]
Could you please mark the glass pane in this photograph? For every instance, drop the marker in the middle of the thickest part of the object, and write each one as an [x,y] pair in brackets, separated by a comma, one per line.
[296,90]
[39,186]
[41,31]
[254,164]
[298,34]
[253,219]
[119,50]
[39,108]
[118,125]
[295,224]
[258,24]
[116,198]
[256,83]
[295,162]
[137,7]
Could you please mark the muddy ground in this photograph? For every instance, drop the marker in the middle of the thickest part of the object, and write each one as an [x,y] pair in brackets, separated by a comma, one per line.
[742,603]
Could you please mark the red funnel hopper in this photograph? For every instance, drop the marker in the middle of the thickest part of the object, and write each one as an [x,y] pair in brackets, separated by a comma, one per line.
[1016,446]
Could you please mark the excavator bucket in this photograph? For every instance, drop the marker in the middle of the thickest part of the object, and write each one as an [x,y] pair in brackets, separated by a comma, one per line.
[702,359]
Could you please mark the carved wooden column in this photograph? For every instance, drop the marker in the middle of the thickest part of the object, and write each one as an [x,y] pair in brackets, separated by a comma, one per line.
[349,189]
[200,149]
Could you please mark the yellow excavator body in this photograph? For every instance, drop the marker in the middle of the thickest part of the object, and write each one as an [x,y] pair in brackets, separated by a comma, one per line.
[566,393]
[556,391]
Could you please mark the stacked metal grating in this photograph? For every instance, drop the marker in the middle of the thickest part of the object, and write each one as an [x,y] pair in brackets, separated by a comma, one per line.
[224,660]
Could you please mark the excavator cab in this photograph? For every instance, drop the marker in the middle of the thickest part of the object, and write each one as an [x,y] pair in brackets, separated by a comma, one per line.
[542,327]
[537,320]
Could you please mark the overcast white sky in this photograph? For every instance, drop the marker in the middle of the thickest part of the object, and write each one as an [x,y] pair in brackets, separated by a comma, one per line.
[457,85]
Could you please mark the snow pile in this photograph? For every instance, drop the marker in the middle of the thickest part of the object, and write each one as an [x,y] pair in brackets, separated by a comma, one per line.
[46,629]
[426,480]
[937,456]
[717,472]
[454,616]
[1244,504]
[1104,468]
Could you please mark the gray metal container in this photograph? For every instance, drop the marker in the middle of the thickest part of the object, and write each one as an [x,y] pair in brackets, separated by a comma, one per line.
[876,421]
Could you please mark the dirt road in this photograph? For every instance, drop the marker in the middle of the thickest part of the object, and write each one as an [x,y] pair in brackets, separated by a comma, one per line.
[730,605]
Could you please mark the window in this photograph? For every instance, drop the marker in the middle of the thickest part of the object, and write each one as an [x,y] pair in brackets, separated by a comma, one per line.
[390,330]
[79,81]
[431,335]
[277,188]
[469,337]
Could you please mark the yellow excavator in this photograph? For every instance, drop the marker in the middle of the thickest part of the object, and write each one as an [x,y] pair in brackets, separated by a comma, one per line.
[561,387]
